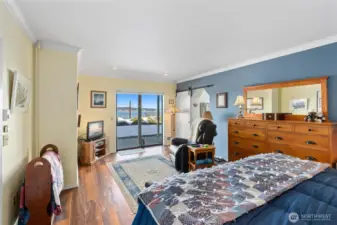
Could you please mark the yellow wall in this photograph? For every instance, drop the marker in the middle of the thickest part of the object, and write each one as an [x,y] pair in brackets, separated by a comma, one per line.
[57,106]
[18,55]
[111,86]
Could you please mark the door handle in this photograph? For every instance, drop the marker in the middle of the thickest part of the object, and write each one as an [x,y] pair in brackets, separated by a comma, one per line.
[279,138]
[310,142]
[278,151]
[310,158]
[255,146]
[255,135]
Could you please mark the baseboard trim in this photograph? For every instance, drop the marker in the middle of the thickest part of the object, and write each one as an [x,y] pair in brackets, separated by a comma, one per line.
[67,187]
[16,221]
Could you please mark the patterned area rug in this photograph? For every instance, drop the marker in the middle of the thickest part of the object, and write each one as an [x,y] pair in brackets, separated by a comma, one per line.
[131,152]
[131,175]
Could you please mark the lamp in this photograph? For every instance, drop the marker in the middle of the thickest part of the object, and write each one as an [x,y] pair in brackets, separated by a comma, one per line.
[255,102]
[239,102]
[173,110]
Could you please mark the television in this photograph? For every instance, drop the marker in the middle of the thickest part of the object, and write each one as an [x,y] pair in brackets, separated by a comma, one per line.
[95,130]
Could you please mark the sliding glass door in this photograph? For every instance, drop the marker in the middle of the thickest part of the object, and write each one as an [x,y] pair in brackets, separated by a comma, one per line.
[139,120]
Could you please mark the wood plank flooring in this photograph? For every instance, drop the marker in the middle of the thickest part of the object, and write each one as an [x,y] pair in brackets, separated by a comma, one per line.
[98,199]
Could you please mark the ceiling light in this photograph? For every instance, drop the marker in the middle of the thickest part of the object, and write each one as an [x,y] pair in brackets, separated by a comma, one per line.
[114,68]
[165,74]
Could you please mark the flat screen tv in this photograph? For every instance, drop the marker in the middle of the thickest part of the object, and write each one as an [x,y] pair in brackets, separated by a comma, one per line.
[95,130]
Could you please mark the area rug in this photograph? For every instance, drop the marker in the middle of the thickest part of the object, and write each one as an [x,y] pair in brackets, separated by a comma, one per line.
[131,175]
[131,151]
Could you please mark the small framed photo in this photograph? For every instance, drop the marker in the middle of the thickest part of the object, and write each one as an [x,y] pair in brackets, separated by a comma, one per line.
[221,100]
[98,99]
[171,101]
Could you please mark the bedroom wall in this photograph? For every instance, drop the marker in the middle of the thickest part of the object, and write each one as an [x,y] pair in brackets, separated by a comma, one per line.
[311,63]
[18,55]
[112,86]
[56,110]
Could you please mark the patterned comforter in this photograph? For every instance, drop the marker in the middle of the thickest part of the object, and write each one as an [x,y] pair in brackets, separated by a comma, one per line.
[223,193]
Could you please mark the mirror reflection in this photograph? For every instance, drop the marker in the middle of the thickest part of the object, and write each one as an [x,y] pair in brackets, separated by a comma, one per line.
[297,100]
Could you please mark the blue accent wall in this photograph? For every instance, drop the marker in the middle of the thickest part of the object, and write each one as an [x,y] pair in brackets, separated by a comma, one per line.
[321,61]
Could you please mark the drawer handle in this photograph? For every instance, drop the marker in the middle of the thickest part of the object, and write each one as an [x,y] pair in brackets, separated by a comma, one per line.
[255,135]
[278,127]
[310,142]
[278,151]
[254,125]
[279,138]
[310,158]
[236,132]
[255,146]
[309,129]
[236,142]
[236,123]
[236,153]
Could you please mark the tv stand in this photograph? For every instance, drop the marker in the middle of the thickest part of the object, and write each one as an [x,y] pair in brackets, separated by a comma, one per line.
[91,151]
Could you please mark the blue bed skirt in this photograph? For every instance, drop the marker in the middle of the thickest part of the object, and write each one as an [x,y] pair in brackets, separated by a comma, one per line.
[314,201]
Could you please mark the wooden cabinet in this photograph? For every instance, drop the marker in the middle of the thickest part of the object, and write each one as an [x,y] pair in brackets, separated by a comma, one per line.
[310,141]
[93,150]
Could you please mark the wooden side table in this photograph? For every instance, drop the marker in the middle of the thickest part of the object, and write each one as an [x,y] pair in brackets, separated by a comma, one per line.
[195,151]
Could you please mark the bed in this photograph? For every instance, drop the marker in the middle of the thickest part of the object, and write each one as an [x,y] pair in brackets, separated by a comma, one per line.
[311,201]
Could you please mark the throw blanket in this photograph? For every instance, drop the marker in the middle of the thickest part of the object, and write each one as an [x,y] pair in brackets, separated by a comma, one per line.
[57,176]
[225,192]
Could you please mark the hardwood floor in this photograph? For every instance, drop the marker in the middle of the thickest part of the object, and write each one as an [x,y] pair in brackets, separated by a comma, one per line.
[98,199]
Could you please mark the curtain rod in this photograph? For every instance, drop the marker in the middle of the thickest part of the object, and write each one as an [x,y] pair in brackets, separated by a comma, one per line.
[190,88]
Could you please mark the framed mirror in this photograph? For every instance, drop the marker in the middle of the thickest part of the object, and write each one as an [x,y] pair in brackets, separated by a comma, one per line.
[296,98]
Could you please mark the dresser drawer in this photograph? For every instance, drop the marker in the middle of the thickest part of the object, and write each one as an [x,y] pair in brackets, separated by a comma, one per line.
[280,126]
[280,137]
[236,131]
[246,133]
[311,129]
[236,142]
[256,124]
[310,154]
[236,123]
[279,148]
[238,153]
[311,141]
[253,146]
[256,147]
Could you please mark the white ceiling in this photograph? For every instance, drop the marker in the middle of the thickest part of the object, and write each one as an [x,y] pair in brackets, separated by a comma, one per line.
[146,38]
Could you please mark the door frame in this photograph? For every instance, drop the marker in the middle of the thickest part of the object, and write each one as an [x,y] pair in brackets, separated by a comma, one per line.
[2,70]
[140,144]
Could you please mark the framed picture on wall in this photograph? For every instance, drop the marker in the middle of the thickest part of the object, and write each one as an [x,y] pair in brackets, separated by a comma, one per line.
[221,100]
[98,99]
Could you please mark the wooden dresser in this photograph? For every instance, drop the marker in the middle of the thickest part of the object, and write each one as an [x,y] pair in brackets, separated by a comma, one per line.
[306,140]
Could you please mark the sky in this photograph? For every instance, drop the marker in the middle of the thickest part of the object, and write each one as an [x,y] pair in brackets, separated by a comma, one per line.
[148,100]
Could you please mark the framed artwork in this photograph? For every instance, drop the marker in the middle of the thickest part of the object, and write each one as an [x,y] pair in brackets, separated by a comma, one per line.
[298,104]
[20,98]
[256,107]
[98,99]
[221,100]
[171,101]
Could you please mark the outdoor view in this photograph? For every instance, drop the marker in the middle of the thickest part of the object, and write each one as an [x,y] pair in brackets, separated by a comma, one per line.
[128,133]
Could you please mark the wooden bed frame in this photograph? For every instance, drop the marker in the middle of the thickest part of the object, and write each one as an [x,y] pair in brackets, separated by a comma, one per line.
[38,181]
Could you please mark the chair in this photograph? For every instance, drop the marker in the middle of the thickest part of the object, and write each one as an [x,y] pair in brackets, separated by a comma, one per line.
[205,133]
